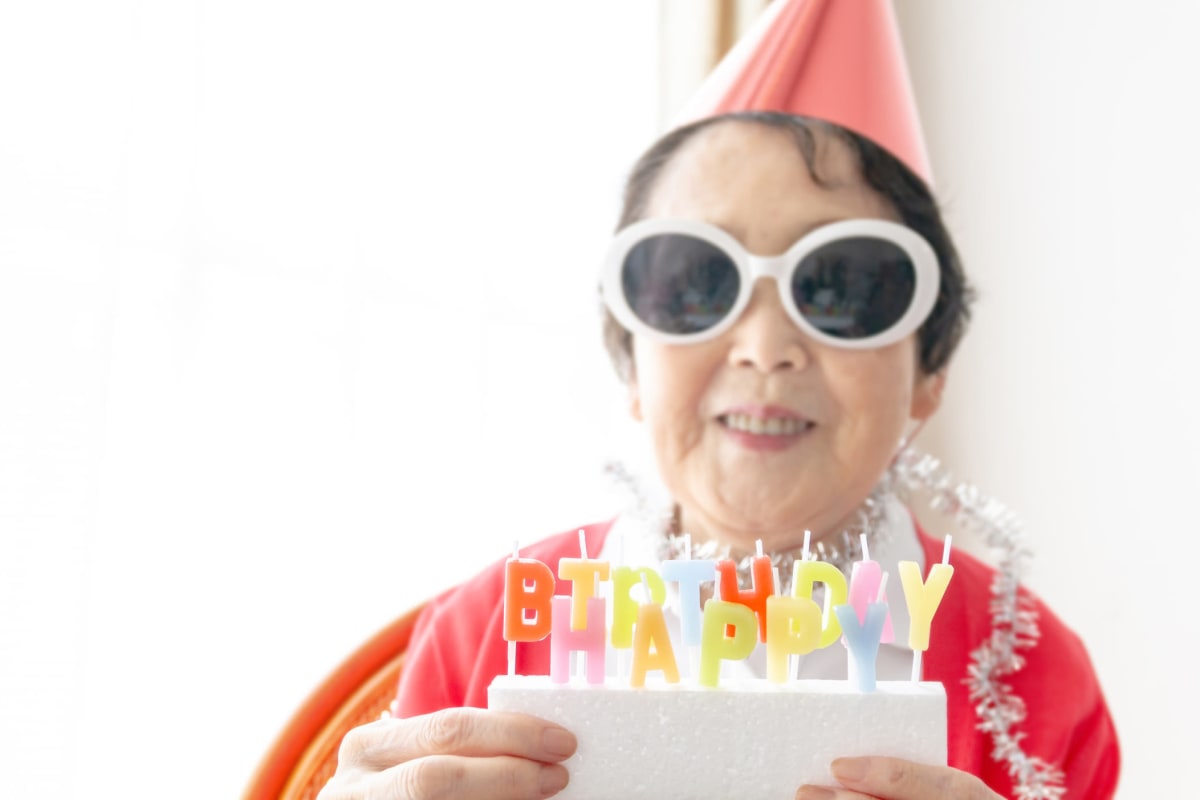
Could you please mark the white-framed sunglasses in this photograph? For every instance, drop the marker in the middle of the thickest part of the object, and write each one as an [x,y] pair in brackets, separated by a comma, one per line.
[856,283]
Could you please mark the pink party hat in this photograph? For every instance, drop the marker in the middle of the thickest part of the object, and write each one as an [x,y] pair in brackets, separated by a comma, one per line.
[837,60]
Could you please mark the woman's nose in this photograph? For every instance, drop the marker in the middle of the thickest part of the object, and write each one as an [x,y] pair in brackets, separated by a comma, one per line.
[764,337]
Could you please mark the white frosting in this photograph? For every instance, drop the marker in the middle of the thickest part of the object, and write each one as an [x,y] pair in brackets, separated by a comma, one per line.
[748,738]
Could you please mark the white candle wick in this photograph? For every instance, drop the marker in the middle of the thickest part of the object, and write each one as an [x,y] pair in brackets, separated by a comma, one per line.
[882,594]
[862,537]
[807,539]
[646,588]
[582,545]
[946,549]
[516,548]
[775,577]
[758,551]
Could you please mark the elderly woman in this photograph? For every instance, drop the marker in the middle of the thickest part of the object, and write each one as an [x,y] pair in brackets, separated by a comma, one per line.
[774,402]
[783,301]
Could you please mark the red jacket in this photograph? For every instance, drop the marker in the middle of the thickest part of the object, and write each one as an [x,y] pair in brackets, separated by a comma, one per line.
[458,647]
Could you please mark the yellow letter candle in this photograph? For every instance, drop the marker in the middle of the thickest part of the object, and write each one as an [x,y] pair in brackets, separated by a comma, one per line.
[807,573]
[652,648]
[793,628]
[585,575]
[625,608]
[717,644]
[923,599]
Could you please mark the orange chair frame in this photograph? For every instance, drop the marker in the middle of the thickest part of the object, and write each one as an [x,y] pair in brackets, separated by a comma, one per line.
[304,754]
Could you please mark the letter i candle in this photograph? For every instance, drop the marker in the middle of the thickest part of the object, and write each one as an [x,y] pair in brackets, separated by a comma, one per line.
[647,731]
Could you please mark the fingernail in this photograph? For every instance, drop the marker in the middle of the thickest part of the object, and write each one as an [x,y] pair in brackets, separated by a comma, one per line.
[850,769]
[552,780]
[558,742]
[815,793]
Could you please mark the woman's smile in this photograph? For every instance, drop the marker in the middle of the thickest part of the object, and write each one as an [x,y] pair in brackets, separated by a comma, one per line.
[764,428]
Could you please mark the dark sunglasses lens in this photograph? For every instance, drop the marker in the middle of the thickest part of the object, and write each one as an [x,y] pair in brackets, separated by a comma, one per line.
[679,284]
[854,288]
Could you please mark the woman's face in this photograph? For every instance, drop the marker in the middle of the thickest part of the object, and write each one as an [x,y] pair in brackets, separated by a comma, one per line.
[763,432]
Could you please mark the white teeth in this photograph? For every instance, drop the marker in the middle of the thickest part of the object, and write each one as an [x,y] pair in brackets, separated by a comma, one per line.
[776,426]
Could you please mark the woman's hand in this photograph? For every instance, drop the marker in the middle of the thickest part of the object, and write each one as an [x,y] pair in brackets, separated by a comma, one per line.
[877,778]
[458,753]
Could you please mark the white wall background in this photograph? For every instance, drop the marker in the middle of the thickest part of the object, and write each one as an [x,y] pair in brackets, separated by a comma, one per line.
[297,327]
[1064,141]
[294,295]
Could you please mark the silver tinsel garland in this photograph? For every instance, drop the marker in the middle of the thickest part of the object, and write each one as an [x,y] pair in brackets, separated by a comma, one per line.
[1014,619]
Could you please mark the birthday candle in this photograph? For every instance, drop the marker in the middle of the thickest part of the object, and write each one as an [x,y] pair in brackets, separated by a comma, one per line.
[807,573]
[717,645]
[584,574]
[865,576]
[564,640]
[754,598]
[652,646]
[793,628]
[528,587]
[923,599]
[625,608]
[862,638]
[689,575]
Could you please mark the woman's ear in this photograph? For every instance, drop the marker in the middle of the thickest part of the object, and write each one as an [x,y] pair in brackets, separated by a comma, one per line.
[927,395]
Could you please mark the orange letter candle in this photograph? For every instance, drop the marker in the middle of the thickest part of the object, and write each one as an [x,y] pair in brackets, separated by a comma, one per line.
[754,598]
[528,587]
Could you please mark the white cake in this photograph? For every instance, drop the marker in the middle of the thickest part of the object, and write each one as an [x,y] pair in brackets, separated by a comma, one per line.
[749,738]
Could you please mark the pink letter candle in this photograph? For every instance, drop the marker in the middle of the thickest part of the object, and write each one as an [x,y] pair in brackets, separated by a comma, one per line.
[793,628]
[865,576]
[807,573]
[564,640]
[718,645]
[689,575]
[754,598]
[652,646]
[625,608]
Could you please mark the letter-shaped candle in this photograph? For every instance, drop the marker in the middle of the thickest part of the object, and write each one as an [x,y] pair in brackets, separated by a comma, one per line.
[717,645]
[625,608]
[689,575]
[590,640]
[584,574]
[793,628]
[923,599]
[863,640]
[528,587]
[652,646]
[804,575]
[865,576]
[755,598]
